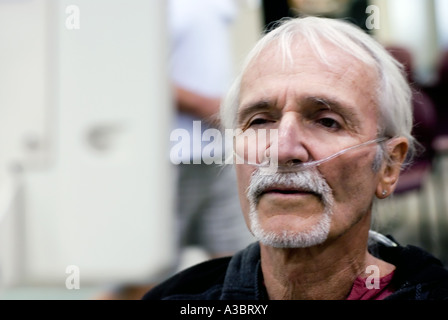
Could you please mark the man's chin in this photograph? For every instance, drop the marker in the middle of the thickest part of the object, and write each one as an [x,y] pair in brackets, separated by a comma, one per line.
[286,231]
[300,208]
[289,240]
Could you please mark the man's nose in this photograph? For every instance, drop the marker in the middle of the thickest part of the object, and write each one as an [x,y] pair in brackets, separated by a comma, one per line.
[291,139]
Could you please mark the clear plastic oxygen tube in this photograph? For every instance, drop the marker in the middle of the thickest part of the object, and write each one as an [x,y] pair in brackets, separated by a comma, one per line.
[294,167]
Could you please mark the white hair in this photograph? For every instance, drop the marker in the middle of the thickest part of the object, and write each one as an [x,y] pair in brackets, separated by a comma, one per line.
[393,91]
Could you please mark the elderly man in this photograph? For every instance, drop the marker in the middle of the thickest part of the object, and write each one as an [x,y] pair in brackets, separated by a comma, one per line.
[340,109]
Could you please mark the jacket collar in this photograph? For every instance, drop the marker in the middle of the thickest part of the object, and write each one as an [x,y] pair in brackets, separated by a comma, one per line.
[415,269]
[243,277]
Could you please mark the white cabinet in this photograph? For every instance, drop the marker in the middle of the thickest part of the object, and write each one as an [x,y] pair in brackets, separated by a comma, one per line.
[85,115]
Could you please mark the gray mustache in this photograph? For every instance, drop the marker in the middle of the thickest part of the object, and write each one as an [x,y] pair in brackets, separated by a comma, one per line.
[309,180]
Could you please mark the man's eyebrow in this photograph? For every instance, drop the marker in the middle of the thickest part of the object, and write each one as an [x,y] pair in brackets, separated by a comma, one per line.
[251,108]
[342,108]
[332,104]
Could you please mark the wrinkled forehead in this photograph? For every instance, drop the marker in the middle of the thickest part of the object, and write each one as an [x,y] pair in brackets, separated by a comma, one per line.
[289,54]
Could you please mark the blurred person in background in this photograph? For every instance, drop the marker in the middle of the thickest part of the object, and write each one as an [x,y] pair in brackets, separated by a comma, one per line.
[202,70]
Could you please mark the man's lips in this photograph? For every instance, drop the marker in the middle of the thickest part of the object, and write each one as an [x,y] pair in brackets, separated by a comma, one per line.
[286,191]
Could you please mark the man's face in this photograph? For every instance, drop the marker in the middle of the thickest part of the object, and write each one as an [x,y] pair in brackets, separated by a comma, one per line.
[318,110]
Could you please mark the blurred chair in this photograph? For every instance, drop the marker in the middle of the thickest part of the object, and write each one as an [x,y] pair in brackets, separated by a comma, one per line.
[424,130]
[439,93]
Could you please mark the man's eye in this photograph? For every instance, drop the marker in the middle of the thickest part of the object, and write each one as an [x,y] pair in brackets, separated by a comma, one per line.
[329,123]
[257,121]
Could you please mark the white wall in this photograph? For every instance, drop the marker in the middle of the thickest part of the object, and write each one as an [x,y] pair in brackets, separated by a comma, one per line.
[85,113]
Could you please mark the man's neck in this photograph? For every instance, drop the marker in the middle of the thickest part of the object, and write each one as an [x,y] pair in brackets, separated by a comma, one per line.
[324,272]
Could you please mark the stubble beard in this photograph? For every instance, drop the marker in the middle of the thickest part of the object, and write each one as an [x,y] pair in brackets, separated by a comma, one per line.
[313,235]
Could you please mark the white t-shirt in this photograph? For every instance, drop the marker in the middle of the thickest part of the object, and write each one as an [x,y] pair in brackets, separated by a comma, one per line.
[201,55]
